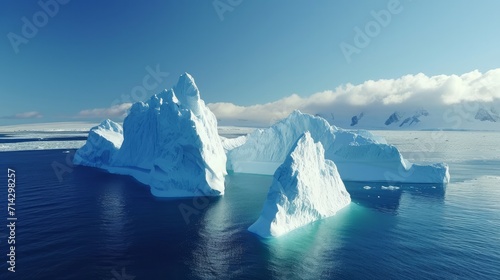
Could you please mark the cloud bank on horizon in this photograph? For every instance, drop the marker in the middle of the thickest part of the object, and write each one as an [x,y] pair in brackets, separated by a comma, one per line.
[115,111]
[371,99]
[410,92]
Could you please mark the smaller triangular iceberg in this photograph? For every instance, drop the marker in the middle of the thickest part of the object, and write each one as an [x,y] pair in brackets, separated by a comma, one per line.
[306,188]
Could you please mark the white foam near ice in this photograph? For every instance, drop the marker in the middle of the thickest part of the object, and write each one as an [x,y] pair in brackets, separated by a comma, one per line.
[390,188]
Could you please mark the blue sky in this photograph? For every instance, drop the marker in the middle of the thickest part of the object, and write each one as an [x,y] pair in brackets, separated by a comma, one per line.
[91,53]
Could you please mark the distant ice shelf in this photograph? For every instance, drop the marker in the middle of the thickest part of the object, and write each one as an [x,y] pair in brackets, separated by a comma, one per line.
[40,145]
[48,127]
[41,139]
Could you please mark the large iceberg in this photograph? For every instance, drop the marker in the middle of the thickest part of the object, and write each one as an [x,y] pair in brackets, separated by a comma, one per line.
[359,155]
[169,142]
[306,188]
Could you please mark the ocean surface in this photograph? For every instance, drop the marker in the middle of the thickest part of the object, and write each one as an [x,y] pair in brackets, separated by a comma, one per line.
[82,223]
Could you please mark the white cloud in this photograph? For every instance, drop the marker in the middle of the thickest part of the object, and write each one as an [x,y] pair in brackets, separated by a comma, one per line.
[25,115]
[408,91]
[115,111]
[257,113]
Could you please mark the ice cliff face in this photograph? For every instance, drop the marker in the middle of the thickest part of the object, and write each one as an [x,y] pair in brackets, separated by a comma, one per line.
[102,144]
[306,188]
[171,144]
[359,155]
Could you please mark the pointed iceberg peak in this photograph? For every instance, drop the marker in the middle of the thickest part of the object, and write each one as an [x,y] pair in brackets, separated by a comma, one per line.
[306,188]
[188,94]
[305,140]
[186,86]
[170,142]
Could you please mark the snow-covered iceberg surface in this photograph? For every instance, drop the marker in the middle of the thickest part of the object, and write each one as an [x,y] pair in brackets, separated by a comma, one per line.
[359,156]
[170,143]
[102,144]
[306,188]
[232,143]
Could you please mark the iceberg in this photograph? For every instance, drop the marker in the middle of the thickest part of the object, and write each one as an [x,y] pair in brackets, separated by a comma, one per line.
[169,142]
[358,155]
[102,144]
[306,188]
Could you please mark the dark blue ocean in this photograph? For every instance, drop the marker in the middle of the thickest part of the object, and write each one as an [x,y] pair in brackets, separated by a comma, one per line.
[82,223]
